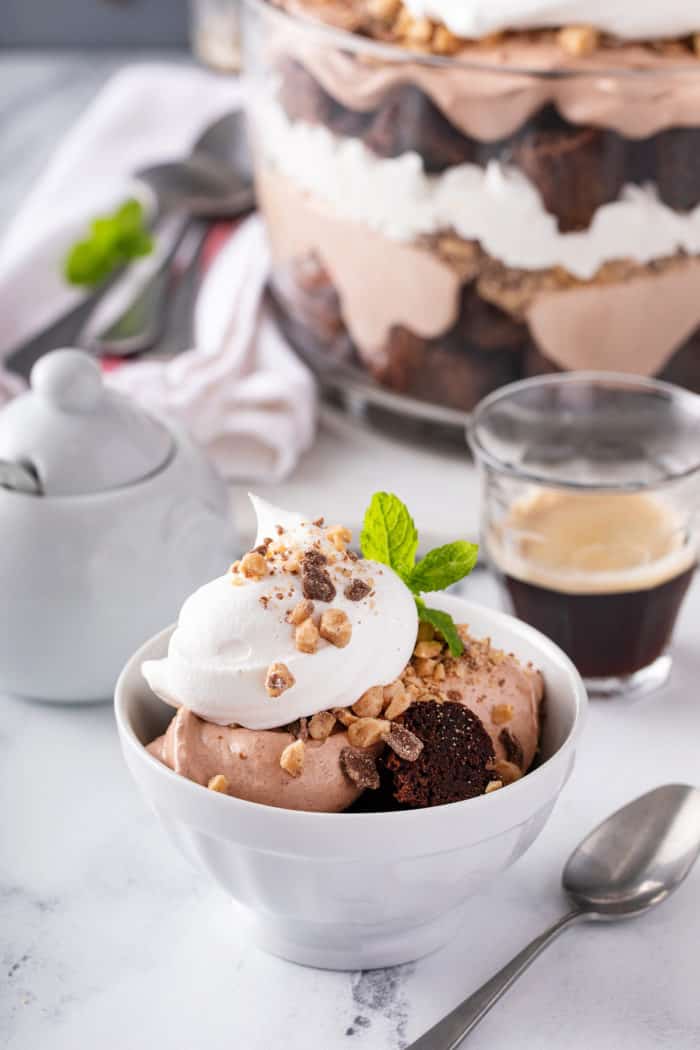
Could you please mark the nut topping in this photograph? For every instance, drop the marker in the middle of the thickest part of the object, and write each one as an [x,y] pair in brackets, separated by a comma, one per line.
[344,716]
[321,725]
[506,772]
[253,565]
[306,637]
[367,731]
[502,714]
[427,650]
[400,703]
[370,703]
[303,610]
[493,785]
[278,679]
[292,758]
[339,536]
[219,783]
[335,627]
[578,40]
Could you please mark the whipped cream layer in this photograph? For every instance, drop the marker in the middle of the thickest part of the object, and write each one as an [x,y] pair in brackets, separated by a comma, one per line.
[629,19]
[228,636]
[497,205]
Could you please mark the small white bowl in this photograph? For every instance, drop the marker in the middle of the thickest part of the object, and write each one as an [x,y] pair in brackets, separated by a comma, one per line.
[359,890]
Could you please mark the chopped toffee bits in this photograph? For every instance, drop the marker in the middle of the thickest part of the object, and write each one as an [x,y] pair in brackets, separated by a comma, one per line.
[400,703]
[427,649]
[493,786]
[502,713]
[357,590]
[219,783]
[339,536]
[506,772]
[303,610]
[359,767]
[321,725]
[292,758]
[306,637]
[344,716]
[578,40]
[278,679]
[403,742]
[365,732]
[253,565]
[335,627]
[370,703]
[512,747]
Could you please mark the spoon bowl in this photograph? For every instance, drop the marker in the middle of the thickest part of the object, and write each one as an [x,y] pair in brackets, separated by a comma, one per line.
[638,856]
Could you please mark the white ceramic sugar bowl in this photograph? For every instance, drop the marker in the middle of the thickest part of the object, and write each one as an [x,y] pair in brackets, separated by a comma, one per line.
[109,518]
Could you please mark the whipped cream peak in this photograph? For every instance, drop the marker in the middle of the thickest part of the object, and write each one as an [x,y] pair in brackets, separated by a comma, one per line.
[628,19]
[232,631]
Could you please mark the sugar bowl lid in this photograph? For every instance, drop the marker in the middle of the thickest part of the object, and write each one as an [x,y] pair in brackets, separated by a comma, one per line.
[69,435]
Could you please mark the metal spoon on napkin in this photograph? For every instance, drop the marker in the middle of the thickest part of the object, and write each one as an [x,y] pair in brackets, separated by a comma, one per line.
[630,863]
[214,182]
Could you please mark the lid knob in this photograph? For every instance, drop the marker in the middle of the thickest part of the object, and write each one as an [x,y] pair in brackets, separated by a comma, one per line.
[69,380]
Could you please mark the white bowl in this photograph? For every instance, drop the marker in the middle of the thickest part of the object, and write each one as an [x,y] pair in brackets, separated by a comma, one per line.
[359,890]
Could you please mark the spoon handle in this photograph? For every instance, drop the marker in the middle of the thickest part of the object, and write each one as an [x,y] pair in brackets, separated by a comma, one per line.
[449,1033]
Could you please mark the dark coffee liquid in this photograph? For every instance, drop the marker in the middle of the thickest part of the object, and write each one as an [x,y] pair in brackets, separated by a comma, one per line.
[606,635]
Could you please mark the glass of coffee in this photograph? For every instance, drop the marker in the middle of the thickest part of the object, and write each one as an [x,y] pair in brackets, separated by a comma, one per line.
[591,515]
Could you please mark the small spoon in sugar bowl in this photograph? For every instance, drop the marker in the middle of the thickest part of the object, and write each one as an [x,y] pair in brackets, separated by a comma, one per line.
[631,862]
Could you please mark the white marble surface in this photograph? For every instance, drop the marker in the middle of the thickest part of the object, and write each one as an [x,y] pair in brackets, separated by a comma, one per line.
[108,939]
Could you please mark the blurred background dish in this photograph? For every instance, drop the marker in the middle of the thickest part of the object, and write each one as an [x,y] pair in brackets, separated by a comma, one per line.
[449,215]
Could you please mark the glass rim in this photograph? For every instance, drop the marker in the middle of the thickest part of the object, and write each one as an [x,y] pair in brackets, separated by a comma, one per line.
[485,457]
[349,41]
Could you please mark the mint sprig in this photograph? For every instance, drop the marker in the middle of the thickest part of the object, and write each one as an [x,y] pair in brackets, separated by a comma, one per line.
[389,536]
[113,240]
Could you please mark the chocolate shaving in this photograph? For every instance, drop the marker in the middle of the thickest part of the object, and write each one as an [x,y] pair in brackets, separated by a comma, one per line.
[316,584]
[403,742]
[513,748]
[357,590]
[360,768]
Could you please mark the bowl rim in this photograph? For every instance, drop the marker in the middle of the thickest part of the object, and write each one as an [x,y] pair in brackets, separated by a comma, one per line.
[391,819]
[346,40]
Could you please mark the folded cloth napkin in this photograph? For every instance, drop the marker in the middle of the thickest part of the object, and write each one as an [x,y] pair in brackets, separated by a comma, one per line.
[241,392]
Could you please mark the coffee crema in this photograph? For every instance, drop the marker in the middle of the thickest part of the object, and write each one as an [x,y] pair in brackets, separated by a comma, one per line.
[603,574]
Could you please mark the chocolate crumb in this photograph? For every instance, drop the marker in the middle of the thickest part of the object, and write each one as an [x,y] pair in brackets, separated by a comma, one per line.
[316,583]
[314,557]
[319,522]
[453,694]
[352,556]
[513,748]
[356,591]
[403,742]
[279,530]
[264,600]
[359,767]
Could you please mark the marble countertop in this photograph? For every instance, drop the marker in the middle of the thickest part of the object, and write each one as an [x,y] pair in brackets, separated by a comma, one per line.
[109,939]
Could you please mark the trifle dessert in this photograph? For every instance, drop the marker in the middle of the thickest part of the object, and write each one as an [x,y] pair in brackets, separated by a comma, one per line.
[309,677]
[460,193]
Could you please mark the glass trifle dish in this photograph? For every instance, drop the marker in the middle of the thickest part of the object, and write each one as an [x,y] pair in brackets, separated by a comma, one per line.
[460,193]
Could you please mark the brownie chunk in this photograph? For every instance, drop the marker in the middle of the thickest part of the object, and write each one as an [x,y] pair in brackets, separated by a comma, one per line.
[452,765]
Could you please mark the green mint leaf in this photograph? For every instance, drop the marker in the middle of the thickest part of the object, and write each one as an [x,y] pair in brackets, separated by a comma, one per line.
[443,623]
[389,535]
[112,241]
[443,566]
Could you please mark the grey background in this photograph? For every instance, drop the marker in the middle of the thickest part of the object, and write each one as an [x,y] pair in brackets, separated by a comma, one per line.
[93,23]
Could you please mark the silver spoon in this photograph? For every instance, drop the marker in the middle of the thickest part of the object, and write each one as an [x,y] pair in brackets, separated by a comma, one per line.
[214,182]
[631,862]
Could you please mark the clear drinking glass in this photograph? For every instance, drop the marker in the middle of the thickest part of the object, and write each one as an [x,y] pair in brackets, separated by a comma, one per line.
[590,515]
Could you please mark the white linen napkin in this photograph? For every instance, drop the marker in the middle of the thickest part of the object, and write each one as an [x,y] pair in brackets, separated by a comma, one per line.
[241,392]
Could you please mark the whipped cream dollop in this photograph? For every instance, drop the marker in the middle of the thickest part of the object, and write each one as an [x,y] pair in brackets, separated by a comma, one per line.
[629,19]
[233,629]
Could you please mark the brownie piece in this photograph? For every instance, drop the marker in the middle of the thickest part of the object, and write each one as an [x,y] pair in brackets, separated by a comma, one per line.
[453,763]
[408,120]
[575,169]
[677,174]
